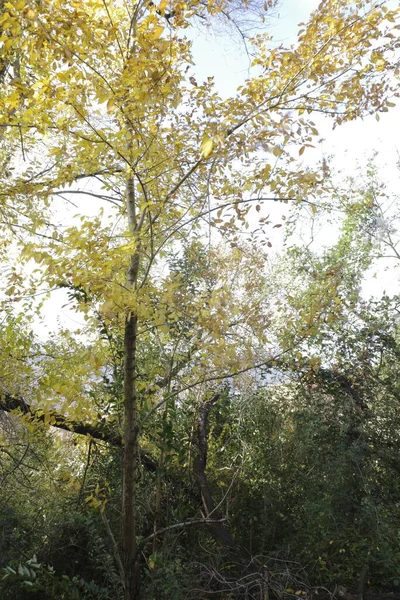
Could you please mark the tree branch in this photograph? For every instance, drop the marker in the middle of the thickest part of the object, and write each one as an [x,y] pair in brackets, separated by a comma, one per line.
[187,523]
[10,403]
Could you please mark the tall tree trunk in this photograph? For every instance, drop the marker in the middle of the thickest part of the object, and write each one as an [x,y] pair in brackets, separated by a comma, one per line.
[130,460]
[131,566]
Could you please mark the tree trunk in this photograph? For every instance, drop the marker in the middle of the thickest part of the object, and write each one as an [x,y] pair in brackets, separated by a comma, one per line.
[131,560]
[131,564]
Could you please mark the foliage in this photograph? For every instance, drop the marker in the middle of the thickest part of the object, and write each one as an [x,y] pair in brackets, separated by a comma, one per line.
[181,323]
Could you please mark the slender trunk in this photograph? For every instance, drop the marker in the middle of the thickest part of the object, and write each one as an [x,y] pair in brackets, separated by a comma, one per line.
[131,565]
[131,561]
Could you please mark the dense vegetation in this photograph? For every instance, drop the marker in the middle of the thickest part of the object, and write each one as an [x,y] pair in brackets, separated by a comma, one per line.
[223,421]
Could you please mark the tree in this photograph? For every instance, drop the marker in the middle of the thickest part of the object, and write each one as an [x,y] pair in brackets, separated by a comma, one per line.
[97,105]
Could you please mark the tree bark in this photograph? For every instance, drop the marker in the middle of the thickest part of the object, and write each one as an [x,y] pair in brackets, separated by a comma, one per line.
[131,559]
[130,464]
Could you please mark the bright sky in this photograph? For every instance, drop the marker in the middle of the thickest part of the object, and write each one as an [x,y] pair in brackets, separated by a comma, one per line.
[224,57]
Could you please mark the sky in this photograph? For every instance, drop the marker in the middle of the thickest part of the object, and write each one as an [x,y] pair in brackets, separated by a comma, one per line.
[224,57]
[350,145]
[222,53]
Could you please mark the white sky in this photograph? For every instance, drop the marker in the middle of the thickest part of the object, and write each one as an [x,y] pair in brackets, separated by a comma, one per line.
[224,55]
[225,59]
[350,144]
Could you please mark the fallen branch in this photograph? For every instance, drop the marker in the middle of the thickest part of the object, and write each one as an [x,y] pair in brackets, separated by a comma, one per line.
[10,404]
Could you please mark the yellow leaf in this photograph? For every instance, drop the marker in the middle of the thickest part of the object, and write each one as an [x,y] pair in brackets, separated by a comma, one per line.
[206,146]
[156,33]
[8,44]
[63,76]
[277,151]
[110,104]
